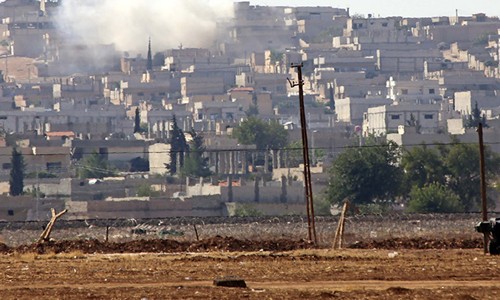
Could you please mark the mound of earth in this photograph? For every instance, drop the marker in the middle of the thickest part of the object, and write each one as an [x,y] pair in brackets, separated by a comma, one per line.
[229,244]
[4,248]
[217,243]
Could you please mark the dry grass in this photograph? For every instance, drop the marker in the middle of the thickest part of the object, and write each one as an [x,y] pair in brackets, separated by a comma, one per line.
[31,257]
[25,257]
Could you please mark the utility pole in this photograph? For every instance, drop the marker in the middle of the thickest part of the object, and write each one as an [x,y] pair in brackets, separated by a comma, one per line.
[484,207]
[305,152]
[6,67]
[37,194]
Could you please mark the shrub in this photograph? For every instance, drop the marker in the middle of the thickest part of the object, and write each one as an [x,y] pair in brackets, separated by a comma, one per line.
[434,197]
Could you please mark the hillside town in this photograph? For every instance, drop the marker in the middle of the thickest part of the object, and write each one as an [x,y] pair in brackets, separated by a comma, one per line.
[215,130]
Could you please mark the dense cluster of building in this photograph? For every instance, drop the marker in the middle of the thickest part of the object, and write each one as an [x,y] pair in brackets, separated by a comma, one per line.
[414,80]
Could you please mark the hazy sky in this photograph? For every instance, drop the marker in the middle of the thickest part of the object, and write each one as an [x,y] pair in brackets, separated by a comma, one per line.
[409,8]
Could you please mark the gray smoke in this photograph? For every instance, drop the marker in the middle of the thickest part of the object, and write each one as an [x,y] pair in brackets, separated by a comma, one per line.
[128,23]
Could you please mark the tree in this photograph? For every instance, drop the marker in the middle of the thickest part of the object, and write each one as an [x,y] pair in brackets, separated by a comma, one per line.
[158,59]
[276,136]
[413,122]
[294,155]
[149,63]
[482,39]
[422,165]
[275,57]
[95,166]
[253,110]
[254,131]
[145,190]
[434,197]
[332,97]
[455,166]
[475,118]
[139,164]
[366,175]
[462,163]
[16,180]
[137,121]
[178,147]
[195,165]
[249,131]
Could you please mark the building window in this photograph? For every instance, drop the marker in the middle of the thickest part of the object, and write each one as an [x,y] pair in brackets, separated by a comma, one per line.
[54,167]
[10,212]
[429,117]
[6,166]
[140,94]
[394,117]
[384,24]
[404,91]
[432,91]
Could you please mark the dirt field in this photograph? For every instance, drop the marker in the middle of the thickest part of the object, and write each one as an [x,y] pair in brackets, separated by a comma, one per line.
[90,270]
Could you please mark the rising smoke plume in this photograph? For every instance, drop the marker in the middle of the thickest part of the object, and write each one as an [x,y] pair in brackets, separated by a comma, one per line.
[129,23]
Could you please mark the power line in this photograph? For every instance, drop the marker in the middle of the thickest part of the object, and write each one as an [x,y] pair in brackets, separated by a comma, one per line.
[253,150]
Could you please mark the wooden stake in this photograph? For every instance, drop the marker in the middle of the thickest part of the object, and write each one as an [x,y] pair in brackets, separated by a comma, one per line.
[107,233]
[196,232]
[339,233]
[48,229]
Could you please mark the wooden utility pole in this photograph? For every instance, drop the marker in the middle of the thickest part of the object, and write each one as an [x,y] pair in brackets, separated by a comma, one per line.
[305,152]
[484,206]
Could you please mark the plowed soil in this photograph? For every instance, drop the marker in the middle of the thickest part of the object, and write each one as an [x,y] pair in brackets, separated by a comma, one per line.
[164,269]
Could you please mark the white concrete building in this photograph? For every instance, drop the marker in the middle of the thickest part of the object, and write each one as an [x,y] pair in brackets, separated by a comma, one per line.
[351,110]
[388,118]
[414,91]
[159,158]
[466,101]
